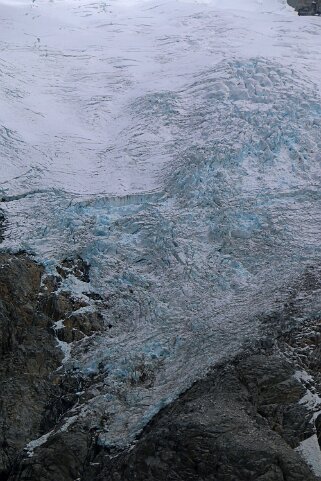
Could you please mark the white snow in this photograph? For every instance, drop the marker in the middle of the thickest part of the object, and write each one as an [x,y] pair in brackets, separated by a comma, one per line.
[32,445]
[311,399]
[64,346]
[303,376]
[310,451]
[71,68]
[36,443]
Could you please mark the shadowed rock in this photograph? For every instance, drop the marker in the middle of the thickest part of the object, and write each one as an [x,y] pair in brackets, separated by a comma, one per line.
[231,426]
[27,356]
[2,226]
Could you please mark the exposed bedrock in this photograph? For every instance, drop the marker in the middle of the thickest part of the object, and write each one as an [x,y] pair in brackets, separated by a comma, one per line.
[306,6]
[28,356]
[34,392]
[247,419]
[2,226]
[299,3]
[237,424]
[294,3]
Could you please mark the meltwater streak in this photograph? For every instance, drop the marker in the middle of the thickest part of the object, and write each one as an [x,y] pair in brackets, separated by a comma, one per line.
[175,147]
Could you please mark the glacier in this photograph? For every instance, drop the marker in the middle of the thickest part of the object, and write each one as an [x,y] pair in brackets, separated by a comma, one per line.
[175,147]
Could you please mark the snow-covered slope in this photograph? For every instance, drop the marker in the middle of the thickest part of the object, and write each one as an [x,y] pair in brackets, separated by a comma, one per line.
[70,69]
[176,148]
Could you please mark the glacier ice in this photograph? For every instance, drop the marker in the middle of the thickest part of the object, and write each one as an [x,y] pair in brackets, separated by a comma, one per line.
[176,151]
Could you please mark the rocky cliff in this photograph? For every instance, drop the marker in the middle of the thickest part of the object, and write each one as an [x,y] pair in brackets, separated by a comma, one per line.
[300,3]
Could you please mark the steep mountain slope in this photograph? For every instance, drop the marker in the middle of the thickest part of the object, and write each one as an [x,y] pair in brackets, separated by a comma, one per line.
[162,163]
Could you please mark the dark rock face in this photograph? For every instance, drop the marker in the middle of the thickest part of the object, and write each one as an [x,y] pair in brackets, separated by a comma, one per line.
[299,3]
[77,267]
[27,357]
[2,226]
[234,425]
[34,394]
[306,6]
[242,422]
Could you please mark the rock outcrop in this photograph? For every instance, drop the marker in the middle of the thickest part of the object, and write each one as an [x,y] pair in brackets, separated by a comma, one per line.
[306,6]
[35,392]
[239,423]
[2,226]
[28,357]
